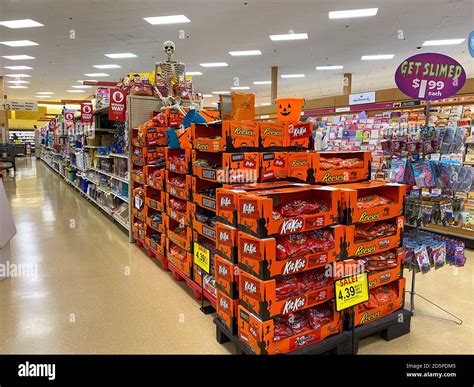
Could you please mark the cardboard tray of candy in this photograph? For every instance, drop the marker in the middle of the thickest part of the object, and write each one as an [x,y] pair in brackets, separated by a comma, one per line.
[178,185]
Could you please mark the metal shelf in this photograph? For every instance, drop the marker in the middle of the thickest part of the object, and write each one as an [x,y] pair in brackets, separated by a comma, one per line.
[109,174]
[123,156]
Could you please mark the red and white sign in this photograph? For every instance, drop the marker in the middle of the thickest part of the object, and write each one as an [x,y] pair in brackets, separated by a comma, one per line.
[86,113]
[52,125]
[43,131]
[117,105]
[69,120]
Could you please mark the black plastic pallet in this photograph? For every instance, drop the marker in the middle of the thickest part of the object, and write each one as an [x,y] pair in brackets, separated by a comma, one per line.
[389,327]
[338,344]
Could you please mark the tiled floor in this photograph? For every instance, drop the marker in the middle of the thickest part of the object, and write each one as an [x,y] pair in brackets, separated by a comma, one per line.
[83,302]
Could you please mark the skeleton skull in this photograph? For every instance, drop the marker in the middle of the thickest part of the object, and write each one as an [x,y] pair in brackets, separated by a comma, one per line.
[168,48]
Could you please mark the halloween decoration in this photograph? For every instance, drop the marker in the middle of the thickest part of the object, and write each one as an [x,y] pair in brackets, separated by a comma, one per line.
[289,109]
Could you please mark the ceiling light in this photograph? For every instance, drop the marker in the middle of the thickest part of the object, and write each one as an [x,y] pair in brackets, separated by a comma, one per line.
[214,103]
[193,73]
[42,96]
[23,23]
[240,88]
[277,38]
[173,19]
[121,55]
[81,86]
[245,53]
[292,75]
[220,92]
[353,13]
[17,87]
[45,92]
[75,91]
[89,80]
[19,43]
[18,75]
[262,82]
[107,66]
[207,96]
[329,67]
[265,104]
[19,82]
[443,42]
[18,67]
[96,75]
[18,57]
[214,64]
[377,57]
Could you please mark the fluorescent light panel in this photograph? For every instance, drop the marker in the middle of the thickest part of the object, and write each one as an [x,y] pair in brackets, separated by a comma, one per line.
[18,57]
[292,75]
[245,53]
[220,92]
[17,87]
[19,43]
[300,36]
[121,55]
[443,42]
[329,67]
[193,73]
[96,75]
[262,82]
[107,66]
[214,64]
[265,104]
[19,82]
[172,19]
[240,88]
[18,67]
[377,57]
[353,13]
[207,96]
[75,91]
[18,75]
[22,23]
[45,92]
[42,96]
[81,87]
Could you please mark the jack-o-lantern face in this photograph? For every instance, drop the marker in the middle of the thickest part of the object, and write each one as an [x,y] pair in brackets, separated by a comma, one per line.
[289,109]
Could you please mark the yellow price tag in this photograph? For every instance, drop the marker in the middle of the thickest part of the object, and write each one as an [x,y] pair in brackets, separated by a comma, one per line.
[351,290]
[202,257]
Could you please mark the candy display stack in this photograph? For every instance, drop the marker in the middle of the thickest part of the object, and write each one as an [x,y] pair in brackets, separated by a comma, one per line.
[224,153]
[373,213]
[148,196]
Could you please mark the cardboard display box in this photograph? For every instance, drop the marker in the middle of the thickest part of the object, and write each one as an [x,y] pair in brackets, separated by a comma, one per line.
[183,166]
[183,260]
[227,277]
[179,192]
[226,241]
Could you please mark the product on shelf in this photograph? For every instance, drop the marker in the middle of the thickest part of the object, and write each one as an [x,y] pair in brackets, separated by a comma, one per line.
[288,333]
[226,241]
[329,167]
[226,197]
[383,301]
[178,160]
[371,201]
[273,166]
[227,276]
[180,258]
[227,309]
[178,233]
[178,185]
[288,210]
[226,136]
[289,254]
[285,135]
[284,295]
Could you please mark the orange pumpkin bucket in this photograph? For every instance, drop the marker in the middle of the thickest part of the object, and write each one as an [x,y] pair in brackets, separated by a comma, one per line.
[289,109]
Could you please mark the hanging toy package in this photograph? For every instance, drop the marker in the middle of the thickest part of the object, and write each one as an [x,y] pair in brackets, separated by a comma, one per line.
[397,170]
[423,173]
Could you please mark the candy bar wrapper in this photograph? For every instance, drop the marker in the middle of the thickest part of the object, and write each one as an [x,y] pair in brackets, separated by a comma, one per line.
[447,140]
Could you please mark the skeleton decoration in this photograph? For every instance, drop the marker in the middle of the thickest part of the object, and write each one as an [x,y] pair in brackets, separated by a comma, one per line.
[169,75]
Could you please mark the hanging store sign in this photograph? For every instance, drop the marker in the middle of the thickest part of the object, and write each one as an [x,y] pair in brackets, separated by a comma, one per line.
[86,113]
[69,120]
[430,76]
[363,98]
[52,124]
[23,106]
[117,105]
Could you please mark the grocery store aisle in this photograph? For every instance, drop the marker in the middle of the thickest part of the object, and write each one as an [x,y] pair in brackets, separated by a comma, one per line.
[82,301]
